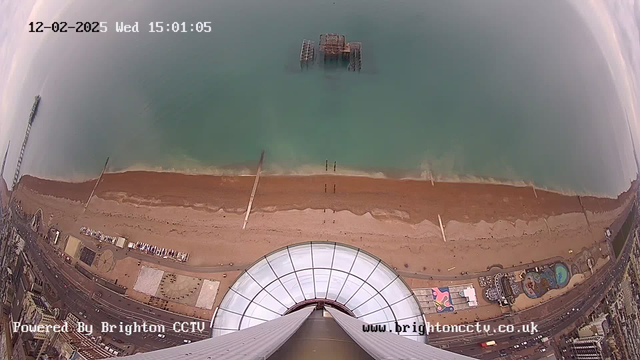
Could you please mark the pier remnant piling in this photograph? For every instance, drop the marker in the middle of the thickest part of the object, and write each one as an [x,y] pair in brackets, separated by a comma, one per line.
[355,56]
[307,52]
[334,48]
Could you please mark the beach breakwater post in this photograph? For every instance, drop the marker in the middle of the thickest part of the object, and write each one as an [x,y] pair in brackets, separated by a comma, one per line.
[253,191]
[442,228]
[104,169]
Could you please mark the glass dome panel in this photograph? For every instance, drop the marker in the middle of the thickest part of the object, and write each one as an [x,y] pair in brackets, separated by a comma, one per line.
[363,294]
[307,282]
[246,286]
[280,262]
[322,282]
[292,285]
[351,285]
[364,266]
[383,315]
[262,273]
[322,255]
[301,257]
[366,287]
[279,292]
[344,257]
[335,284]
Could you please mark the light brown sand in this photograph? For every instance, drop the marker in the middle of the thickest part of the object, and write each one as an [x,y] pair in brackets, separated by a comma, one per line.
[393,219]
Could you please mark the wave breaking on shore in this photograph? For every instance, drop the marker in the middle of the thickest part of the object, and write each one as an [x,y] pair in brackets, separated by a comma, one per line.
[319,170]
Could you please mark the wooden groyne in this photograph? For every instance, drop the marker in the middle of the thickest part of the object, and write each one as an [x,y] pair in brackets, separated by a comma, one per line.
[104,169]
[253,191]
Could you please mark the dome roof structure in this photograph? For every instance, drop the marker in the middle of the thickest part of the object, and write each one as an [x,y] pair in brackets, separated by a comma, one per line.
[342,276]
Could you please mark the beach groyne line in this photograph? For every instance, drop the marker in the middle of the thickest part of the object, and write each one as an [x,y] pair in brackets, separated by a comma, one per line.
[104,169]
[442,228]
[253,191]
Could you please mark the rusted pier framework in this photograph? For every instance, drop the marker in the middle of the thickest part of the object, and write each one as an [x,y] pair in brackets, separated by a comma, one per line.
[334,47]
[307,52]
[355,56]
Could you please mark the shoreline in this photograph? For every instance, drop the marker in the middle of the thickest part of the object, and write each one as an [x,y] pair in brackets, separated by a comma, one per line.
[315,170]
[213,235]
[410,200]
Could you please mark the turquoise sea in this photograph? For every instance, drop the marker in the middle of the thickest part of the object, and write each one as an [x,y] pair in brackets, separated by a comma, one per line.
[510,90]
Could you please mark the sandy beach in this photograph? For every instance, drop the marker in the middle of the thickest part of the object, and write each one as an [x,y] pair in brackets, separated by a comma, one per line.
[485,225]
[397,220]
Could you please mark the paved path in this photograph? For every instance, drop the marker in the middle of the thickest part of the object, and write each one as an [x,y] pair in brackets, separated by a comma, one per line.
[552,317]
[470,276]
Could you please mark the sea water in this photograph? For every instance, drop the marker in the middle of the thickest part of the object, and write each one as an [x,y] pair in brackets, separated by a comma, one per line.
[515,91]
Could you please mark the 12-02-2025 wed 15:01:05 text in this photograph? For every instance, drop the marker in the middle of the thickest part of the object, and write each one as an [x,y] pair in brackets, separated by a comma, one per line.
[103,27]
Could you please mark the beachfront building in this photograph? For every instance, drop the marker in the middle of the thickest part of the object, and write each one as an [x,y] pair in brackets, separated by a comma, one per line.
[588,348]
[36,312]
[598,326]
[446,298]
[36,220]
[74,345]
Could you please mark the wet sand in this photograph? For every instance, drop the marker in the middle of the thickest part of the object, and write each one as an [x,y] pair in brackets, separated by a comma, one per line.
[411,201]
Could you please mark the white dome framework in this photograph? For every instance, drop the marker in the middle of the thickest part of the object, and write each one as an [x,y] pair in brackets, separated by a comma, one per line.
[354,281]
